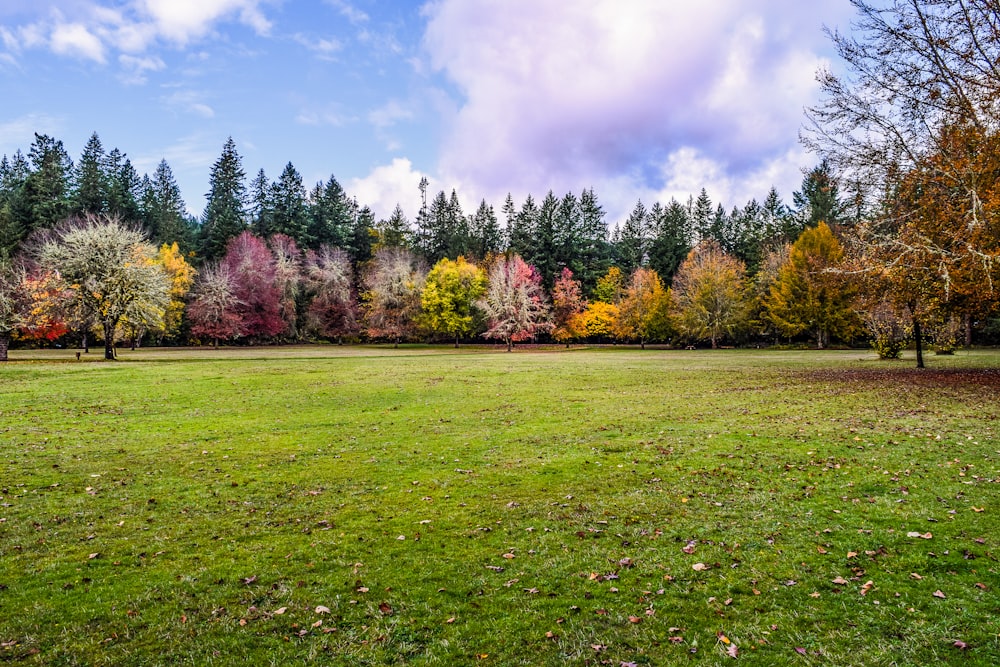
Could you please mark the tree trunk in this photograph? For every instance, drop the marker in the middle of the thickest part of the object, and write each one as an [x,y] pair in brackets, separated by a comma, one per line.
[715,345]
[510,344]
[456,341]
[215,343]
[967,329]
[4,346]
[109,341]
[917,337]
[642,343]
[85,343]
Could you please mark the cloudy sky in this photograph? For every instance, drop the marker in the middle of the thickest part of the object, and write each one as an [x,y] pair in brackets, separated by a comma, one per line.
[639,99]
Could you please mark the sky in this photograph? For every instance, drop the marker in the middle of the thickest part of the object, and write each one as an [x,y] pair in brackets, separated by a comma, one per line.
[637,99]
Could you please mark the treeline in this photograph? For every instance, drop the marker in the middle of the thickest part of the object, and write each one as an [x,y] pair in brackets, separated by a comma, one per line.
[276,263]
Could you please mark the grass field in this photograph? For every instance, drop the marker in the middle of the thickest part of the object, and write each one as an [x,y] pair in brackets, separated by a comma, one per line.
[367,506]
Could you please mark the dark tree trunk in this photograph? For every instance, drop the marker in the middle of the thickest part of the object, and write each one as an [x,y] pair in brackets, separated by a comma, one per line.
[456,341]
[215,343]
[510,344]
[85,343]
[109,341]
[917,336]
[967,329]
[642,343]
[4,346]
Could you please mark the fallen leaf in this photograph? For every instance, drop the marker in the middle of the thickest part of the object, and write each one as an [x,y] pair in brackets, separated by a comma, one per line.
[722,638]
[699,567]
[840,581]
[914,575]
[939,594]
[385,608]
[867,586]
[317,624]
[322,610]
[93,556]
[981,586]
[280,611]
[977,510]
[450,620]
[634,619]
[821,550]
[598,647]
[689,548]
[508,556]
[960,645]
[814,595]
[800,650]
[852,554]
[733,651]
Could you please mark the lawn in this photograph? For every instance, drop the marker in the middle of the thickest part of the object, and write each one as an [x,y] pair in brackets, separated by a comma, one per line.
[370,506]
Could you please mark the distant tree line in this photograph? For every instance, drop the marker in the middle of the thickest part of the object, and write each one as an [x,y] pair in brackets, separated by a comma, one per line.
[893,238]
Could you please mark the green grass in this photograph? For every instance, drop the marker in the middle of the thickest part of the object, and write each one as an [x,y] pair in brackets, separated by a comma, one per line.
[165,508]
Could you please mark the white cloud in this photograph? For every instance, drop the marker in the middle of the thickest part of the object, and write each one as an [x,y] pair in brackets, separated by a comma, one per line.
[349,11]
[184,20]
[646,97]
[190,101]
[325,49]
[18,133]
[332,115]
[388,185]
[74,39]
[136,67]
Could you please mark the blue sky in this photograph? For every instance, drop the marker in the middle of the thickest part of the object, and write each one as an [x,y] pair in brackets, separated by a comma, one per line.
[636,98]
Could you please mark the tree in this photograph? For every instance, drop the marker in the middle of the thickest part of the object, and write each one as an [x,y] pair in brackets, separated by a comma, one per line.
[393,283]
[287,279]
[915,118]
[180,275]
[110,270]
[810,293]
[225,215]
[567,304]
[485,235]
[289,214]
[213,309]
[394,232]
[631,240]
[644,311]
[44,198]
[331,215]
[90,181]
[451,292]
[819,199]
[597,320]
[593,255]
[670,242]
[610,287]
[43,295]
[12,306]
[709,294]
[514,302]
[333,310]
[165,212]
[253,270]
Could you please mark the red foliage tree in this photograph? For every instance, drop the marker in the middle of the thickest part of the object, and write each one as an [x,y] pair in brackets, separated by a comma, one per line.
[253,270]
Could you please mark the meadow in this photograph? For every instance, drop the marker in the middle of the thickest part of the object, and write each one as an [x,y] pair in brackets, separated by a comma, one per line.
[371,506]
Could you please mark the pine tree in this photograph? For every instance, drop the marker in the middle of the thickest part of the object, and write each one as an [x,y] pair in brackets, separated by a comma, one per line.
[594,251]
[330,215]
[362,232]
[670,242]
[632,240]
[394,232]
[290,214]
[701,216]
[261,206]
[166,212]
[225,215]
[542,253]
[485,234]
[90,180]
[124,187]
[819,199]
[44,199]
[523,227]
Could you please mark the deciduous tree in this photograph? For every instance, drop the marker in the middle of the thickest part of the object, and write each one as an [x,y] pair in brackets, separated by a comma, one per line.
[333,310]
[709,294]
[644,311]
[213,310]
[567,304]
[450,296]
[393,283]
[515,304]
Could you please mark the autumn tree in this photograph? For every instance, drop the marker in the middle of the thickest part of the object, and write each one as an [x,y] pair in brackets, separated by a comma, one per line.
[12,305]
[253,270]
[567,304]
[597,321]
[450,296]
[915,117]
[644,311]
[329,279]
[709,293]
[110,270]
[393,283]
[287,279]
[180,275]
[514,303]
[610,287]
[213,308]
[43,297]
[811,293]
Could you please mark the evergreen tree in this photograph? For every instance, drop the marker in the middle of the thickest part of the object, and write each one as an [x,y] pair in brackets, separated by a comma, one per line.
[13,174]
[631,240]
[542,254]
[225,215]
[261,206]
[594,251]
[819,199]
[124,187]
[523,226]
[166,217]
[567,238]
[330,215]
[290,214]
[394,232]
[44,199]
[701,216]
[362,232]
[90,180]
[670,242]
[485,235]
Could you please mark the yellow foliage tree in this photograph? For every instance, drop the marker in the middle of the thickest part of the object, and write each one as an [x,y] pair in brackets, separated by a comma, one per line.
[181,276]
[644,311]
